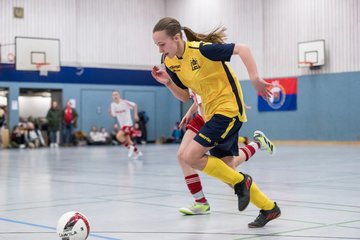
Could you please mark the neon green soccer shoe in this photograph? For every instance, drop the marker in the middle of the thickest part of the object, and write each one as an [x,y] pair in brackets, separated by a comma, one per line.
[264,142]
[196,209]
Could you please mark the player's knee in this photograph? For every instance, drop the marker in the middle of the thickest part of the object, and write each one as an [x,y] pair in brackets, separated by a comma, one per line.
[190,158]
[120,136]
[181,156]
[186,158]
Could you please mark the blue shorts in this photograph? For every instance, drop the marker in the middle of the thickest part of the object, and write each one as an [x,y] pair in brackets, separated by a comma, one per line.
[221,133]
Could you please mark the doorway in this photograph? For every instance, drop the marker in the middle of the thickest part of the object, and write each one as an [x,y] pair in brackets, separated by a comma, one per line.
[34,103]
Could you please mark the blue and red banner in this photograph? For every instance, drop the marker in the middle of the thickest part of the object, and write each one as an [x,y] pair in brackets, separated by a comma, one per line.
[284,92]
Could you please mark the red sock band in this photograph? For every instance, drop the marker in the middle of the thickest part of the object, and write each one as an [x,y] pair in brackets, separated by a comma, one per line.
[194,184]
[249,151]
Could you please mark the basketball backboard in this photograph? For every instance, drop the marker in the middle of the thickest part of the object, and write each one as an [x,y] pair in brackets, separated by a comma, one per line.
[34,52]
[311,53]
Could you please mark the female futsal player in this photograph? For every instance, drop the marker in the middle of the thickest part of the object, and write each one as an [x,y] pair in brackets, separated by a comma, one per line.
[120,108]
[193,121]
[200,64]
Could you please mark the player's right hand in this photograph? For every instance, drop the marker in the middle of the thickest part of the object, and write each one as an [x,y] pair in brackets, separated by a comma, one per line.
[160,75]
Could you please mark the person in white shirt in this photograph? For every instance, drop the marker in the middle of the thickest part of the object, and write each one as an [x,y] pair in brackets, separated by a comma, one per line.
[121,109]
[105,135]
[96,137]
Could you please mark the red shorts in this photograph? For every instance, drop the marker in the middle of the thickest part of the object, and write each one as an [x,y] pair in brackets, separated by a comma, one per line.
[196,124]
[128,130]
[136,133]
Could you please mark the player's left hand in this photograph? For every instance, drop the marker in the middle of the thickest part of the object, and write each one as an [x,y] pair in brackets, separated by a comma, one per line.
[263,88]
[185,120]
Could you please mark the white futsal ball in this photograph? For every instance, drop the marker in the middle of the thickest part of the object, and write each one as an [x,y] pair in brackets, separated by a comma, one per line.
[73,226]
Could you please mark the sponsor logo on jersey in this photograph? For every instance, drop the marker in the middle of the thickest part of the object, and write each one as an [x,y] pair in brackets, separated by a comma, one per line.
[194,64]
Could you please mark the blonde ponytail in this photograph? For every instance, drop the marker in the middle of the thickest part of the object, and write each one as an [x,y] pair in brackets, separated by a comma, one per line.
[217,35]
[172,27]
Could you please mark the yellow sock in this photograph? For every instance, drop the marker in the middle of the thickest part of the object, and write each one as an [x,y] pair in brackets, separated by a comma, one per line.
[259,199]
[215,167]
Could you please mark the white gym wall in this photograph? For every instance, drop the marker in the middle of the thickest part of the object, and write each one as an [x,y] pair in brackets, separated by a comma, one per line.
[116,33]
[242,18]
[287,22]
[109,33]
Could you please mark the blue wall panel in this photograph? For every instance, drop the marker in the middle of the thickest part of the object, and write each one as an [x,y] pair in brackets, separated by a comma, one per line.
[95,105]
[328,105]
[328,109]
[89,76]
[94,90]
[146,101]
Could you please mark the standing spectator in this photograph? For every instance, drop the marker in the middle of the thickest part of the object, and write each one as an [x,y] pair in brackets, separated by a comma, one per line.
[137,134]
[69,122]
[143,119]
[54,123]
[2,123]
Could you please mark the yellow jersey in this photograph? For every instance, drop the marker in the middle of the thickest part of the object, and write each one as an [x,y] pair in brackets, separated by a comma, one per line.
[203,69]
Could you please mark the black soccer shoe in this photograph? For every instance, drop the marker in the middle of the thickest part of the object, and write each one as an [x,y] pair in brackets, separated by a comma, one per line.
[242,190]
[265,216]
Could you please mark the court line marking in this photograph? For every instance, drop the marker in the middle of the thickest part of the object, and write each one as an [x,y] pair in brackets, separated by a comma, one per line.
[50,206]
[52,228]
[285,233]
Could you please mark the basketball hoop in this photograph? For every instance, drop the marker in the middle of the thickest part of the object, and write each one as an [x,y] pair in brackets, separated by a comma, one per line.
[308,64]
[42,68]
[11,57]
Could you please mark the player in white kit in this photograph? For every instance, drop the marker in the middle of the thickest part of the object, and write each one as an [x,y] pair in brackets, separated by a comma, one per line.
[121,109]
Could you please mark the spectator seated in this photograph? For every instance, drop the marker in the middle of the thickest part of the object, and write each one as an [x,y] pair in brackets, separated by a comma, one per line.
[33,136]
[96,137]
[17,137]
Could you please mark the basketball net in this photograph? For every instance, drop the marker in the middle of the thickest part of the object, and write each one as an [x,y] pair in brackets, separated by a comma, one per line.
[306,64]
[42,68]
